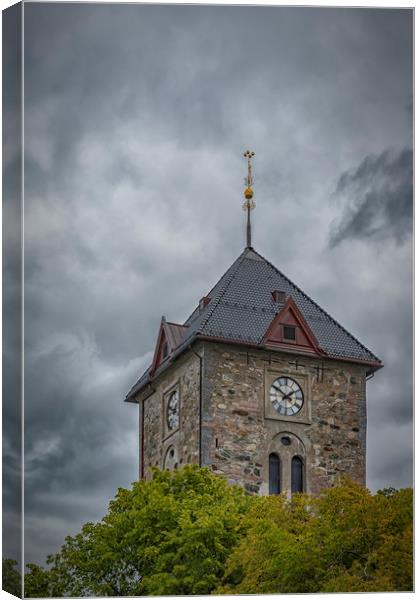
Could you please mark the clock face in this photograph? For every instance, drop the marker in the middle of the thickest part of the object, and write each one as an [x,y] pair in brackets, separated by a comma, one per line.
[286,396]
[172,411]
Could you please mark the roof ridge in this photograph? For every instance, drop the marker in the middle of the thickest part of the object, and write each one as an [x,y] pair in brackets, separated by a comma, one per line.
[317,305]
[239,260]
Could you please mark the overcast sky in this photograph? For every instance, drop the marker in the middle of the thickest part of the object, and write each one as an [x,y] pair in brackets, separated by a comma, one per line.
[136,118]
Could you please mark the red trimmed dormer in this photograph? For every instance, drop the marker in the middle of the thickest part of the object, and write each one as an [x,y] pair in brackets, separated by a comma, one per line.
[169,338]
[289,330]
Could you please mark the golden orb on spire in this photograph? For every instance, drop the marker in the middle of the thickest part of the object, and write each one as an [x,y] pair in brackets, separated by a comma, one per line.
[249,203]
[249,181]
[248,193]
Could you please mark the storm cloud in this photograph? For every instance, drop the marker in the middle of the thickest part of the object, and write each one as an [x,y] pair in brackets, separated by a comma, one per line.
[136,118]
[378,198]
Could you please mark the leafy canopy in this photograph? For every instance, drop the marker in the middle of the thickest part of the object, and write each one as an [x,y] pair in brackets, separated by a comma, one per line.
[346,540]
[170,535]
[189,532]
[11,578]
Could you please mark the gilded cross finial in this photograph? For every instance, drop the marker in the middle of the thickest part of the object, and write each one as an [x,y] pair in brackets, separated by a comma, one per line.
[249,203]
[249,181]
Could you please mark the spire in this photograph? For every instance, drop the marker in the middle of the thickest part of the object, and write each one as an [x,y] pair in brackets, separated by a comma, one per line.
[249,203]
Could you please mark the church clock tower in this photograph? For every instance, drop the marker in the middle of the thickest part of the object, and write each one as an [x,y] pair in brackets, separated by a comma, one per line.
[259,384]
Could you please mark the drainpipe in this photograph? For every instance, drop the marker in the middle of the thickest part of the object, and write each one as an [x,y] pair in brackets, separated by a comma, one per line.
[200,408]
[142,441]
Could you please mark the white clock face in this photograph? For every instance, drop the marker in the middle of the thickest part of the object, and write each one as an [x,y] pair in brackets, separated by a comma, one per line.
[286,396]
[172,411]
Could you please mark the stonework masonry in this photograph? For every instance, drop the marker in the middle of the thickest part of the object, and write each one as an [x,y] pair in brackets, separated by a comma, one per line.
[239,428]
[240,432]
[184,375]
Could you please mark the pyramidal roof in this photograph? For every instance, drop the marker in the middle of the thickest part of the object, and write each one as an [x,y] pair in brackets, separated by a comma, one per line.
[240,309]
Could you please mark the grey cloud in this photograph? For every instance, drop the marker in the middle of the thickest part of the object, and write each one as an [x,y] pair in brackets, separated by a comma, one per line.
[12,285]
[379,199]
[136,118]
[392,452]
[68,456]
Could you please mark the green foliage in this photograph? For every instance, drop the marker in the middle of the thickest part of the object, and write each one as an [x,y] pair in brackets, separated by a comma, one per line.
[39,582]
[347,540]
[189,532]
[11,578]
[171,535]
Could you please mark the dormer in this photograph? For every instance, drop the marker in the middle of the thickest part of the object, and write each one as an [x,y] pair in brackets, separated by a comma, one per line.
[169,338]
[289,330]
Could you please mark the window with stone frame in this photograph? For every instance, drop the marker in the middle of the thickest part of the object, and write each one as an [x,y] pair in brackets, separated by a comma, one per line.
[171,411]
[171,459]
[274,474]
[297,474]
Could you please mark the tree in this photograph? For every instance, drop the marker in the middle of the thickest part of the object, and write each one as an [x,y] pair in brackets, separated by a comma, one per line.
[39,582]
[11,578]
[170,535]
[189,532]
[345,540]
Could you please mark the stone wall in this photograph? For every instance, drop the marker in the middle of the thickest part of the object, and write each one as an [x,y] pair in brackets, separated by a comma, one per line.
[239,431]
[239,426]
[185,376]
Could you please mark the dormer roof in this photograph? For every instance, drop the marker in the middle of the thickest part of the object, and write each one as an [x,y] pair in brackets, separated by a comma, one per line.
[169,337]
[289,331]
[241,308]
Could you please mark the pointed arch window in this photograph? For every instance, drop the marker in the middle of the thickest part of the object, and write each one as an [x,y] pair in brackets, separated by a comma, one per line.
[297,474]
[274,486]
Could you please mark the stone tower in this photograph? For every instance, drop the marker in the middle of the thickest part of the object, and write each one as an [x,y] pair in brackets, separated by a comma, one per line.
[259,384]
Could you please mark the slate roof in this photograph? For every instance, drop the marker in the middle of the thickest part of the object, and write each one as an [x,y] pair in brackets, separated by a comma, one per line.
[241,308]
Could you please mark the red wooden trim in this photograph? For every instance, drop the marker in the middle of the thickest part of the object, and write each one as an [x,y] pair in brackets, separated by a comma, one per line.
[359,361]
[158,346]
[291,348]
[375,365]
[294,350]
[290,305]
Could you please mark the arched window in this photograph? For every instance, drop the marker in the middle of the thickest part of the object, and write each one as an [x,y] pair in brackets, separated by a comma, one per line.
[297,474]
[274,486]
[171,459]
